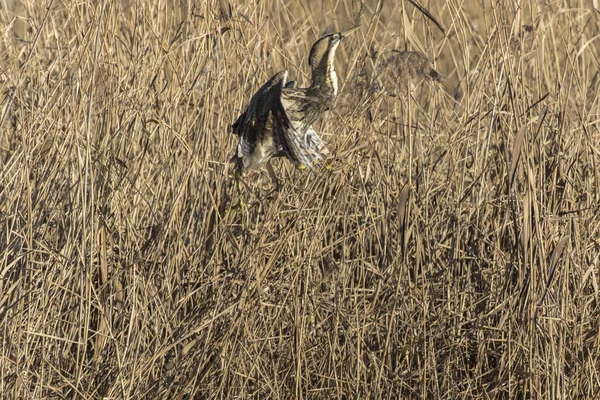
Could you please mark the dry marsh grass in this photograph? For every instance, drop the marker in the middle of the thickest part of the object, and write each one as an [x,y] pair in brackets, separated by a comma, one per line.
[449,250]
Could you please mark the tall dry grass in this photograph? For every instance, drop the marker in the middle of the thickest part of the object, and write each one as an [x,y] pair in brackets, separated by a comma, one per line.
[449,250]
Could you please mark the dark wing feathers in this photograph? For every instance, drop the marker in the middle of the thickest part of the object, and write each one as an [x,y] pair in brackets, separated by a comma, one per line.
[235,127]
[255,125]
[265,130]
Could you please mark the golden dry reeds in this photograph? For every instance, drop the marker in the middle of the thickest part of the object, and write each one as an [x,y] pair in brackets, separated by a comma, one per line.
[448,248]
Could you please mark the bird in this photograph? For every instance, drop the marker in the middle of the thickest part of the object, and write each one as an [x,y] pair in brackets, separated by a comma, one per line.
[278,120]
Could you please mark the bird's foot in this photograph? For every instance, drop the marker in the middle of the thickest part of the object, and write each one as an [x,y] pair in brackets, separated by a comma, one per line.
[273,175]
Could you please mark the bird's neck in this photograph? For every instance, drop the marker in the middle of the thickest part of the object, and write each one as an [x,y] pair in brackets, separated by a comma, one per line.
[324,80]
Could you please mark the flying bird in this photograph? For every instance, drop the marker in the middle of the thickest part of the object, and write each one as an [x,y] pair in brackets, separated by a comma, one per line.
[278,120]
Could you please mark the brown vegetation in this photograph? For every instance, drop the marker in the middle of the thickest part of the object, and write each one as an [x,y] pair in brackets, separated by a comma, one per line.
[449,248]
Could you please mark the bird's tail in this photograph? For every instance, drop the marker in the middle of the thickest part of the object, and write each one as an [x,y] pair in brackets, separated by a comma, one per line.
[314,141]
[308,150]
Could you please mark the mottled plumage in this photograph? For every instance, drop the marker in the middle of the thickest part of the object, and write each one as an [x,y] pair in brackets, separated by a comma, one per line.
[262,127]
[278,120]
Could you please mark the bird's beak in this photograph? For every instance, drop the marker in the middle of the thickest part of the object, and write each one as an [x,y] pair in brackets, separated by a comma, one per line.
[349,31]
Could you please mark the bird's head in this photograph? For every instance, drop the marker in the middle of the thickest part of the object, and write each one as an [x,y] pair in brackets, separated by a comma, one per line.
[323,50]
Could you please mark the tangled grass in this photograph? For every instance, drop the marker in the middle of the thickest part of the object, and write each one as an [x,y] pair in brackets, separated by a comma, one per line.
[449,249]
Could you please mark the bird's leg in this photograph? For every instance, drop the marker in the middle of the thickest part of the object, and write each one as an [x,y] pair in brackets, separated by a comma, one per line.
[237,177]
[272,175]
[241,204]
[238,181]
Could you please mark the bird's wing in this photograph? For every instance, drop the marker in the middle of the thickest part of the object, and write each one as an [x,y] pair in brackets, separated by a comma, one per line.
[304,146]
[258,124]
[313,140]
[266,130]
[305,149]
[236,126]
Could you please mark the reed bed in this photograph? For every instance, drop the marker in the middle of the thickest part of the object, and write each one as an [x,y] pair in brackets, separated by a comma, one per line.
[448,248]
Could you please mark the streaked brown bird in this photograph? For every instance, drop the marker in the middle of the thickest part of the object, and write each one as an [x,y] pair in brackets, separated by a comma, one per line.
[278,120]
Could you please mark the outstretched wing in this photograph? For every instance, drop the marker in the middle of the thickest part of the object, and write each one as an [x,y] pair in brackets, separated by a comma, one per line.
[266,130]
[306,148]
[258,127]
[313,140]
[304,144]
